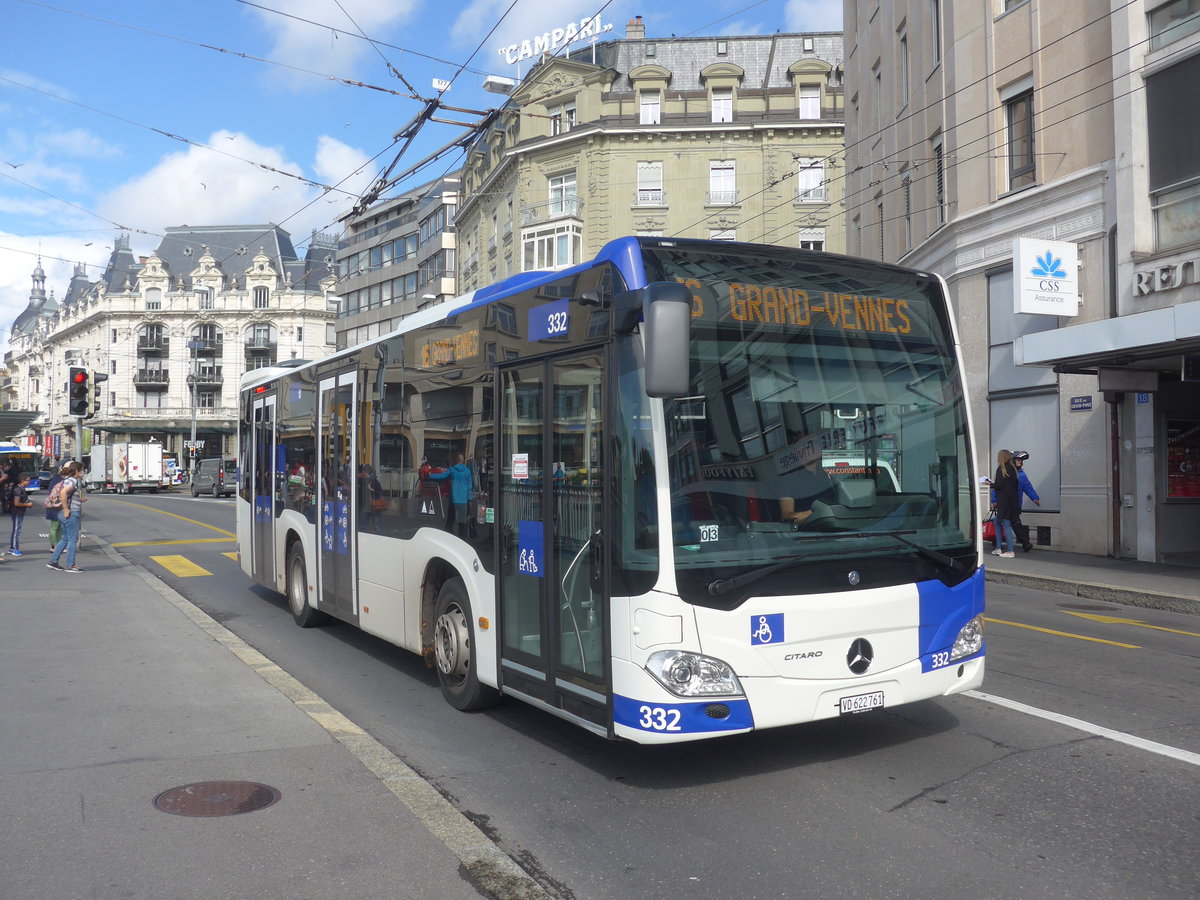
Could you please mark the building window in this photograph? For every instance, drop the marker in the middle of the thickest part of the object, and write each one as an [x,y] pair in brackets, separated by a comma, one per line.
[153,301]
[652,50]
[504,317]
[1173,21]
[939,180]
[562,195]
[1021,169]
[722,104]
[812,239]
[877,78]
[810,101]
[722,234]
[206,399]
[330,334]
[902,52]
[722,48]
[722,182]
[112,367]
[262,297]
[1174,167]
[299,334]
[562,117]
[651,108]
[810,181]
[649,184]
[114,335]
[808,45]
[151,399]
[204,298]
[935,25]
[552,247]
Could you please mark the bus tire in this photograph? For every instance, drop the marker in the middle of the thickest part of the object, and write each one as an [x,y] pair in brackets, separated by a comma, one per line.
[297,591]
[452,640]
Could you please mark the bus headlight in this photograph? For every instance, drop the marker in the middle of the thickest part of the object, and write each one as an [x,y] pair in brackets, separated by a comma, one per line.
[969,640]
[692,674]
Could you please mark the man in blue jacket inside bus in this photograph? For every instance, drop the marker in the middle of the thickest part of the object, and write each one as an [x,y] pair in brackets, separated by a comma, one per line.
[461,485]
[1024,489]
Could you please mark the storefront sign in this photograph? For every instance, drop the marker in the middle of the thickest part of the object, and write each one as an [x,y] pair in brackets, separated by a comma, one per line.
[586,28]
[1047,277]
[1166,277]
[1079,404]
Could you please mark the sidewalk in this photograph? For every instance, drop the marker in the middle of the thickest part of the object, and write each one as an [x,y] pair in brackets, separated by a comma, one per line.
[117,690]
[1133,583]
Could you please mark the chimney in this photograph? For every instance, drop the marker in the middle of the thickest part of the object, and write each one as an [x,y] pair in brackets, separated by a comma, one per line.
[635,30]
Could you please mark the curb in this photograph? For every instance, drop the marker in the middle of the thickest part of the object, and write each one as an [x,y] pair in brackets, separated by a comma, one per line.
[489,867]
[1109,593]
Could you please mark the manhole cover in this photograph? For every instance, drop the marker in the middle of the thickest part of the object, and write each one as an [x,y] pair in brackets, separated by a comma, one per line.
[1096,606]
[217,798]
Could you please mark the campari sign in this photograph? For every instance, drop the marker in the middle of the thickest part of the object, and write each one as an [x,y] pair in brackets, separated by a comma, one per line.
[1046,277]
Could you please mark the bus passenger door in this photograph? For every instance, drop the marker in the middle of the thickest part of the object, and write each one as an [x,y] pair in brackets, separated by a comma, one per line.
[553,609]
[262,541]
[335,496]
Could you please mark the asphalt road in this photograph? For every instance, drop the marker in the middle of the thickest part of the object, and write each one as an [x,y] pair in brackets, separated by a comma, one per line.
[958,796]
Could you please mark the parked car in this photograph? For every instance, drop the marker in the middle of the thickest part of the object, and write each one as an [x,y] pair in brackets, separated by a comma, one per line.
[216,476]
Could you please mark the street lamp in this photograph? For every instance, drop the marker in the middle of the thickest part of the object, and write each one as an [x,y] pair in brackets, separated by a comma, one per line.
[195,345]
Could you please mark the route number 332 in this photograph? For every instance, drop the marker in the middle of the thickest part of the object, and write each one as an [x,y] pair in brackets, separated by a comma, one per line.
[655,718]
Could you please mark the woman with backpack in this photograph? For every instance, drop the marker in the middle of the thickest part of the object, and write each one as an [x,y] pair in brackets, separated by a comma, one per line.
[72,508]
[52,511]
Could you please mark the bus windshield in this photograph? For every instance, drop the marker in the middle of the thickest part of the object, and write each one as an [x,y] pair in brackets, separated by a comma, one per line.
[824,435]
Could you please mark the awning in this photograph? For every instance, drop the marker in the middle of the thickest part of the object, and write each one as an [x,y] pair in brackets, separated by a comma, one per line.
[14,421]
[141,426]
[1149,340]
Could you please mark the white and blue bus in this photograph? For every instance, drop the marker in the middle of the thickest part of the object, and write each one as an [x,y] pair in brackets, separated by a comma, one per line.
[683,490]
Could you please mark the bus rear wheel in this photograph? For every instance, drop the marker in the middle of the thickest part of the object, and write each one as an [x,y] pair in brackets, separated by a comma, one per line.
[452,650]
[297,591]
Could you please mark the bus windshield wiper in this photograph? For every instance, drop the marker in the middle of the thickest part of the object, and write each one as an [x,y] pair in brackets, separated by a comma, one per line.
[721,586]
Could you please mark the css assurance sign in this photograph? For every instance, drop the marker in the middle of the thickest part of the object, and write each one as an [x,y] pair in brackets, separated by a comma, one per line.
[1046,276]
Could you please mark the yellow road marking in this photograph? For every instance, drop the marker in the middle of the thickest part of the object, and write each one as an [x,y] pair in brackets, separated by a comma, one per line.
[180,541]
[1079,637]
[180,566]
[171,514]
[232,555]
[1118,620]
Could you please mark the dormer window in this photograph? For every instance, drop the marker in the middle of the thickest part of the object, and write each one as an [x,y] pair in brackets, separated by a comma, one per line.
[722,104]
[651,108]
[722,48]
[562,117]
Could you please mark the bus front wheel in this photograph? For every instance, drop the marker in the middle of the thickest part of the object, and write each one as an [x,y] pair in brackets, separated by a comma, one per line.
[452,650]
[297,590]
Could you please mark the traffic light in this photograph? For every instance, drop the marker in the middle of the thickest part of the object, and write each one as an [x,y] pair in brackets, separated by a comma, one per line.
[79,391]
[98,378]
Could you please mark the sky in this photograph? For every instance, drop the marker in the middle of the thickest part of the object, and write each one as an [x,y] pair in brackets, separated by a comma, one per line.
[129,116]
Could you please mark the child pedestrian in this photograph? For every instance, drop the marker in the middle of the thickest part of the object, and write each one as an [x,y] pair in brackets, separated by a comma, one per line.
[17,506]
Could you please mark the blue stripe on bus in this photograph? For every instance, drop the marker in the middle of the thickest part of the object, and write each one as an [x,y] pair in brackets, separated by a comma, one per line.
[681,718]
[943,612]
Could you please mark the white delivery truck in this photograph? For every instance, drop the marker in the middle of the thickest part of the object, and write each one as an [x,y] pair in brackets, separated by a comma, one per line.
[136,467]
[99,473]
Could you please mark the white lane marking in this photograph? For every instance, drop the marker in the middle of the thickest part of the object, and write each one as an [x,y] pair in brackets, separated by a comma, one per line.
[1186,756]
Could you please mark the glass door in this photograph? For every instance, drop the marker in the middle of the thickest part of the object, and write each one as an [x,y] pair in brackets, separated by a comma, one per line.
[335,496]
[553,612]
[262,543]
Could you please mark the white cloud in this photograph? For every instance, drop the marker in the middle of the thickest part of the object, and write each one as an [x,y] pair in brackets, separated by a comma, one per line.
[812,15]
[317,47]
[342,165]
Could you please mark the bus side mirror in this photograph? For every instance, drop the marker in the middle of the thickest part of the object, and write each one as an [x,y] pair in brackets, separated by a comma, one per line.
[667,329]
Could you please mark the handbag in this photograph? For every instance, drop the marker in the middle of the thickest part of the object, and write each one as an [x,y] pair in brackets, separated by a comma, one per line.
[379,504]
[989,526]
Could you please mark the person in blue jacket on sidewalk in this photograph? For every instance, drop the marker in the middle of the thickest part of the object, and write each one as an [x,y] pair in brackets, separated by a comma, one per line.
[1024,489]
[461,486]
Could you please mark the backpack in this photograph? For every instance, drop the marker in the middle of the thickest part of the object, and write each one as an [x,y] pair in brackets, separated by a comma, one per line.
[54,498]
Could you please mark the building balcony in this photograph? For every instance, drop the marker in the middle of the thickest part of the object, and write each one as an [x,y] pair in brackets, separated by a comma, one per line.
[147,345]
[650,197]
[260,346]
[151,379]
[206,379]
[722,198]
[812,194]
[567,207]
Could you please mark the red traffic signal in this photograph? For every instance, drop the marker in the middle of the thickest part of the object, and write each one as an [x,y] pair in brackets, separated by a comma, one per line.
[79,391]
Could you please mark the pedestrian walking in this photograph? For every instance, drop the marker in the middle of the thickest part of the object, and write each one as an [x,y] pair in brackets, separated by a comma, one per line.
[72,509]
[1006,489]
[52,512]
[18,502]
[461,484]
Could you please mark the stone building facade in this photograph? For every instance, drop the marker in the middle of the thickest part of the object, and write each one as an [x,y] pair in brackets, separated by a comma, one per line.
[972,124]
[174,332]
